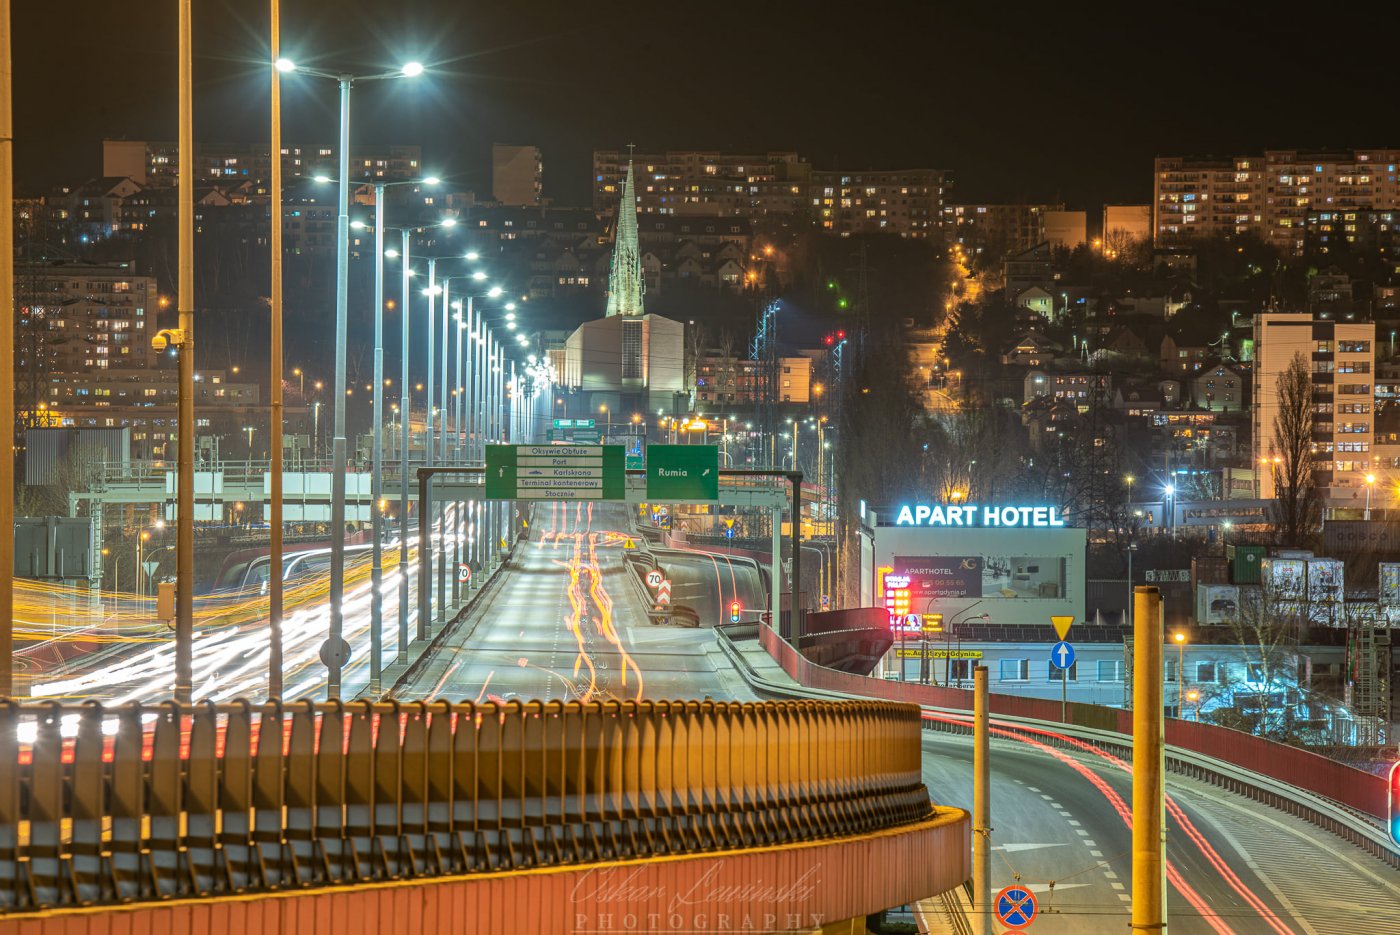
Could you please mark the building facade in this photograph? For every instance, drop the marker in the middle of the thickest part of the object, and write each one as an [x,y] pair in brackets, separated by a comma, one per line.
[153,163]
[720,380]
[1341,360]
[703,182]
[1272,194]
[997,229]
[907,202]
[517,174]
[77,319]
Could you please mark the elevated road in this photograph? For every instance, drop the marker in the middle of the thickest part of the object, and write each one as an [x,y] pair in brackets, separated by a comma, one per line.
[1061,827]
[563,620]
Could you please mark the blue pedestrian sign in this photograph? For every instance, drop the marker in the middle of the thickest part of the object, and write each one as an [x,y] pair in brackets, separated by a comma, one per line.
[1016,906]
[1062,655]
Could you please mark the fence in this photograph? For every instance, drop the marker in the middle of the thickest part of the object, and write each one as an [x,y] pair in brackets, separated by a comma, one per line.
[1361,791]
[138,803]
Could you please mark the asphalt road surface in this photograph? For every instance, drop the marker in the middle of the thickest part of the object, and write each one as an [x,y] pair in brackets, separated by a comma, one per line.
[562,621]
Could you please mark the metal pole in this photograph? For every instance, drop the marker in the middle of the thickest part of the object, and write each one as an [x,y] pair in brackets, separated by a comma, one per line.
[442,390]
[1064,696]
[425,516]
[981,805]
[376,477]
[457,458]
[7,362]
[425,553]
[479,439]
[405,418]
[796,478]
[338,454]
[1149,913]
[274,579]
[184,301]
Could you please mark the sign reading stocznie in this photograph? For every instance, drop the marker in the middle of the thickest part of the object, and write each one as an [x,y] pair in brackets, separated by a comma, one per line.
[682,472]
[555,472]
[971,515]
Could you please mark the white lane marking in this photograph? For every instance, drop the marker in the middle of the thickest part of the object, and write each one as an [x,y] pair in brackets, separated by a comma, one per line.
[1021,846]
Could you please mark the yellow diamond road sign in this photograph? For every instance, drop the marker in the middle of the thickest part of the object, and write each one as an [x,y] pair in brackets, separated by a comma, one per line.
[1061,625]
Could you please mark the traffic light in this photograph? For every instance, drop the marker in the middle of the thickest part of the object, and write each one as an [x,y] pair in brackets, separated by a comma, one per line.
[1395,803]
[734,608]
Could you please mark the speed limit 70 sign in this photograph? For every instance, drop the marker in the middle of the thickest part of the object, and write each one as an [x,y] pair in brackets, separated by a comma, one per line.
[654,579]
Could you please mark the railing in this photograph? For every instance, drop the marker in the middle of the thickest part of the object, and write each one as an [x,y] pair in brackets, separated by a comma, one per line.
[145,803]
[1358,790]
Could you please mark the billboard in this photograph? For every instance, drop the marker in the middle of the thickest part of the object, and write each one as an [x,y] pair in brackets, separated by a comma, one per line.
[981,576]
[940,576]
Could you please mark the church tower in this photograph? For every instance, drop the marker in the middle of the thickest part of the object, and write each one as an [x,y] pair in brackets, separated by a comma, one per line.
[625,282]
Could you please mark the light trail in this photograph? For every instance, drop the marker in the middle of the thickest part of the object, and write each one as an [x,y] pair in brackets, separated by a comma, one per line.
[1016,732]
[230,639]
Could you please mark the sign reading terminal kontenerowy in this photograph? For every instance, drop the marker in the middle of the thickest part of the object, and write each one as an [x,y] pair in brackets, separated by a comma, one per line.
[970,515]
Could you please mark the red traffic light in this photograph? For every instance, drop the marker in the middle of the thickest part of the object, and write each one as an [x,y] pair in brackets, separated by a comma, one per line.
[1395,803]
[840,335]
[734,608]
[830,340]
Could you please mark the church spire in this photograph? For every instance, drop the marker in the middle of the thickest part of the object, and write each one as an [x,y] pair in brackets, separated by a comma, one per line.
[625,282]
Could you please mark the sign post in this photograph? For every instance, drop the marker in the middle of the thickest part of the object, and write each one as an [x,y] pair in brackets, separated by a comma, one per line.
[1016,907]
[555,472]
[1062,657]
[682,472]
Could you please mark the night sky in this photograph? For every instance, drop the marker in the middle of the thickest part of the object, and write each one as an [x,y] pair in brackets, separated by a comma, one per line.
[1055,103]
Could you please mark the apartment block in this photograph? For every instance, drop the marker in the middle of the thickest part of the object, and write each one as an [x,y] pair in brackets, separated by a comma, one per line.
[1341,359]
[996,229]
[907,202]
[517,174]
[1300,183]
[1128,222]
[76,319]
[705,182]
[721,379]
[1275,194]
[1197,198]
[153,163]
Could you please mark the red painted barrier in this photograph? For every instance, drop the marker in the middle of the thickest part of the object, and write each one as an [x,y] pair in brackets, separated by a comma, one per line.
[763,889]
[1365,792]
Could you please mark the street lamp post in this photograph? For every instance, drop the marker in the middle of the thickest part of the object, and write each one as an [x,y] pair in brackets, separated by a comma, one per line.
[336,651]
[275,479]
[405,420]
[184,341]
[376,602]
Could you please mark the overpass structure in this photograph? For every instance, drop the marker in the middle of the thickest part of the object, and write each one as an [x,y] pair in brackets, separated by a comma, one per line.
[538,817]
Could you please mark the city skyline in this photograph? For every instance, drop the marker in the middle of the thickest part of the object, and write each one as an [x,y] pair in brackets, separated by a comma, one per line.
[1003,102]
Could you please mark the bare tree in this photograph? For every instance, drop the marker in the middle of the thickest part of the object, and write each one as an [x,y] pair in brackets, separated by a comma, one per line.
[1297,506]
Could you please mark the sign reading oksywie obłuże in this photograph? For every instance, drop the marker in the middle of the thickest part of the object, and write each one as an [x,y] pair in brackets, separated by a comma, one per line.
[555,472]
[682,472]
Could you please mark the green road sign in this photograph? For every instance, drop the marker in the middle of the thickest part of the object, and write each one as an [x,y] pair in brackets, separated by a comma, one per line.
[555,472]
[682,472]
[573,423]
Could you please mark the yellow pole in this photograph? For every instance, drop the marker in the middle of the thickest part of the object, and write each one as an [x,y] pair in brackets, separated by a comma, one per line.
[981,806]
[184,530]
[1149,799]
[274,583]
[7,364]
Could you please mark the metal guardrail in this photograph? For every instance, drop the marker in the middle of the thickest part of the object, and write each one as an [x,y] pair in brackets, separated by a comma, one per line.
[136,803]
[1332,816]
